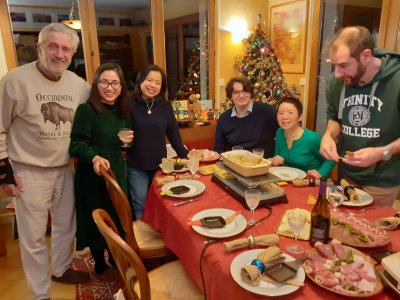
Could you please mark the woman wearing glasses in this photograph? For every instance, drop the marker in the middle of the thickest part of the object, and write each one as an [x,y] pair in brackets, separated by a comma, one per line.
[247,124]
[152,120]
[95,144]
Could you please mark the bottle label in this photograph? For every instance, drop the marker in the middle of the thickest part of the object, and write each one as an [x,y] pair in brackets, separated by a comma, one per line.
[318,234]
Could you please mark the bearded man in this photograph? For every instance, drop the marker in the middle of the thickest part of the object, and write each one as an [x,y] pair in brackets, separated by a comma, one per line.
[363,112]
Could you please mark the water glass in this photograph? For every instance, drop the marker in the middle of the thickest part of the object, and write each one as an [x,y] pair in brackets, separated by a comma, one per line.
[253,197]
[259,152]
[234,148]
[193,164]
[123,135]
[335,196]
[297,222]
[167,165]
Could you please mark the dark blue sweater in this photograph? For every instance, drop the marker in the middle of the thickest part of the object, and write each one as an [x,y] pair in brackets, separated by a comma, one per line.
[148,147]
[256,130]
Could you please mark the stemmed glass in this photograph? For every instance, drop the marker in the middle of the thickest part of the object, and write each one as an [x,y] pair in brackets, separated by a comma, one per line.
[167,165]
[123,135]
[193,164]
[335,196]
[297,222]
[253,197]
[234,148]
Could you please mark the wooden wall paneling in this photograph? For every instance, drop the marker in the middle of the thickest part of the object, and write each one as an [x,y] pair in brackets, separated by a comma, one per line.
[310,99]
[157,32]
[89,37]
[389,25]
[7,35]
[211,50]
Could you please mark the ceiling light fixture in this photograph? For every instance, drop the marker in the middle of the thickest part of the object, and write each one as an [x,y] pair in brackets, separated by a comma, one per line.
[72,22]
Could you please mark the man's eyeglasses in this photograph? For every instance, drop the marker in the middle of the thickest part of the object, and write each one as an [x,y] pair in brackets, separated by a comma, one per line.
[237,93]
[104,84]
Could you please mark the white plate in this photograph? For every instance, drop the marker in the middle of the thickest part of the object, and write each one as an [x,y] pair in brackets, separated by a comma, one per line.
[264,288]
[184,169]
[287,173]
[365,199]
[237,226]
[196,187]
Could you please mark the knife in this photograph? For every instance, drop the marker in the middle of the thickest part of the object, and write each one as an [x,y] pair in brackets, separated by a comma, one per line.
[188,201]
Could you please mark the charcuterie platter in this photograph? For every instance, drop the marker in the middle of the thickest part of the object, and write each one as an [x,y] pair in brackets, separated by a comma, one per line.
[342,270]
[356,231]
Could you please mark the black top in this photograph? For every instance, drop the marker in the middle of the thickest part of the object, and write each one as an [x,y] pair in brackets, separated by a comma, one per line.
[148,146]
[256,130]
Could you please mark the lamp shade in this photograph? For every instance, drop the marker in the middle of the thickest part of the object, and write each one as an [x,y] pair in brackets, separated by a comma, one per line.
[74,24]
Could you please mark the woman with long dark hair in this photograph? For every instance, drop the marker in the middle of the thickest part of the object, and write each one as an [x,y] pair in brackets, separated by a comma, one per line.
[95,144]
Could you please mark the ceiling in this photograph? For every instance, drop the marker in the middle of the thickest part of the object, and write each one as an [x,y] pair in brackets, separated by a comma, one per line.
[99,4]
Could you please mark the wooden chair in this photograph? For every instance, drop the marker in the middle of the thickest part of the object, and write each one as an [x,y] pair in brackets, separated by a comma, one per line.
[169,281]
[144,239]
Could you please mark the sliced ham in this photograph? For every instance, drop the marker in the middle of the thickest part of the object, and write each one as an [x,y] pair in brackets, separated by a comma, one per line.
[312,267]
[324,250]
[326,278]
[338,248]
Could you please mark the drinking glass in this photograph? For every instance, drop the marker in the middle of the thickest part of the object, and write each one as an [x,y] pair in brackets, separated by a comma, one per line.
[193,164]
[259,152]
[234,148]
[253,197]
[335,196]
[123,135]
[167,165]
[297,222]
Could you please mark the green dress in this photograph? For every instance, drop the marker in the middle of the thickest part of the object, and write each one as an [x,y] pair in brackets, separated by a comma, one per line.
[93,134]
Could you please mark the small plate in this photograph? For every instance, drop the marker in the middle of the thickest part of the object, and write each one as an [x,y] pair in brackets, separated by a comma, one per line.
[264,288]
[237,226]
[366,199]
[387,282]
[200,152]
[184,169]
[196,187]
[287,173]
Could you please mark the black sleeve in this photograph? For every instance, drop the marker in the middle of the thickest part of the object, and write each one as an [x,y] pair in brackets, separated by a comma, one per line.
[6,172]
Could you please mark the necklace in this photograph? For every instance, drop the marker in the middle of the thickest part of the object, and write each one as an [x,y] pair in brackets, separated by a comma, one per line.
[151,106]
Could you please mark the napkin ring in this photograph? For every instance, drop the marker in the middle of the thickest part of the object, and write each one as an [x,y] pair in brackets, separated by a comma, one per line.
[251,241]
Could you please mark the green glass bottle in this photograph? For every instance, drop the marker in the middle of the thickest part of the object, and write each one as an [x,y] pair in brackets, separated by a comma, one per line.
[320,217]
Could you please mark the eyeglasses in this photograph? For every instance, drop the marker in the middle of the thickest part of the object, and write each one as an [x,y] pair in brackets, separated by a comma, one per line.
[237,93]
[104,84]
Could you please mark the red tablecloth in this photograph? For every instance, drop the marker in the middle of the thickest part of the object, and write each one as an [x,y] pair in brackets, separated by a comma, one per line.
[187,244]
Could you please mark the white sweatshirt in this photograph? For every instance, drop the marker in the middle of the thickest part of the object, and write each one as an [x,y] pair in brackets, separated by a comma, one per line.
[37,115]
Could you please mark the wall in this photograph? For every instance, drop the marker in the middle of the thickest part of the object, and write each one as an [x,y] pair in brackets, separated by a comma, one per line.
[178,8]
[226,50]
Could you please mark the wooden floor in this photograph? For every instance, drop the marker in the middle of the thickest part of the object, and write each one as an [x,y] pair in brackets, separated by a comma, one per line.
[12,279]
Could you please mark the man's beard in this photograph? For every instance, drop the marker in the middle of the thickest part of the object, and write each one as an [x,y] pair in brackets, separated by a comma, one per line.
[355,80]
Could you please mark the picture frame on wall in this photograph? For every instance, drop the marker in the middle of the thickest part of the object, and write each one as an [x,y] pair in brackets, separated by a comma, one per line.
[289,33]
[18,17]
[106,21]
[41,18]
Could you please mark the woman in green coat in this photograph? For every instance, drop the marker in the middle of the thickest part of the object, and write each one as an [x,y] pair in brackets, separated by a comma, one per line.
[95,144]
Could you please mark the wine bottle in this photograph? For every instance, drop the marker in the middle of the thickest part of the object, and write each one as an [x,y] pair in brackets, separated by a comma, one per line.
[320,217]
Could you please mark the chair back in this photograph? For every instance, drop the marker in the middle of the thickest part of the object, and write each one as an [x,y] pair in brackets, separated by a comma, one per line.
[128,262]
[122,207]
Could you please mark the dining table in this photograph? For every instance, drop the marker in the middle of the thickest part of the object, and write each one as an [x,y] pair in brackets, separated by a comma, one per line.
[188,245]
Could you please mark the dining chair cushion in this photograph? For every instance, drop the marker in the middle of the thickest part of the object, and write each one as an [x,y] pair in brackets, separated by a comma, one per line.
[170,282]
[146,236]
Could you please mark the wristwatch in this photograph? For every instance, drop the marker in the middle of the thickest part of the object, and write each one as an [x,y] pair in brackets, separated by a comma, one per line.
[386,155]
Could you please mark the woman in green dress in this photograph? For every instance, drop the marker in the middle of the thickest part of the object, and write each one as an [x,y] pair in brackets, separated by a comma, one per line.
[296,146]
[95,144]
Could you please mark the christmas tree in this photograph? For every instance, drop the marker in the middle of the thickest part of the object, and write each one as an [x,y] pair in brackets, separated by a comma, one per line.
[261,66]
[191,83]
